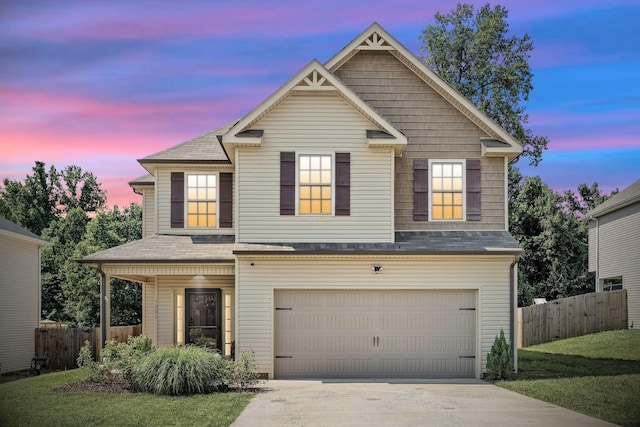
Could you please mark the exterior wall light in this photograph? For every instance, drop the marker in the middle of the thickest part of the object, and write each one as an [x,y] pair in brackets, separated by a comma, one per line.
[376,268]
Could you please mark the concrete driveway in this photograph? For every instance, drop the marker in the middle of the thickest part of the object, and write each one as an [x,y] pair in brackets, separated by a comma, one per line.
[401,403]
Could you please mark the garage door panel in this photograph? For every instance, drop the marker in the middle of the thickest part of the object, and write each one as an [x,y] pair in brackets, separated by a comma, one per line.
[375,333]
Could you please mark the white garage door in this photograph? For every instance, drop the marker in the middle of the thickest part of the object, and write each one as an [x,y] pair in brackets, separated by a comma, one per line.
[323,333]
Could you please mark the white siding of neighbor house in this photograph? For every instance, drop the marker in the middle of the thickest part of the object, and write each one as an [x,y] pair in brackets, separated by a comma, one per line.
[161,300]
[315,123]
[257,282]
[19,301]
[163,194]
[619,253]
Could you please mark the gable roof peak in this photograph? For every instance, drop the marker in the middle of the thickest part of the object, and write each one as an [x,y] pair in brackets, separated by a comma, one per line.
[377,38]
[313,77]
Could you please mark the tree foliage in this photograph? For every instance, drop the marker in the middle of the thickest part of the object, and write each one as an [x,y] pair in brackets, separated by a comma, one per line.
[81,286]
[476,55]
[550,229]
[67,208]
[48,195]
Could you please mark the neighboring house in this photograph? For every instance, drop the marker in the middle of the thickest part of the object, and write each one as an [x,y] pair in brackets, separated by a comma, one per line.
[614,247]
[19,295]
[353,224]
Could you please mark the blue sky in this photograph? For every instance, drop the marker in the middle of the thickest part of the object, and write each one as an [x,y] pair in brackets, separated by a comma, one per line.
[101,84]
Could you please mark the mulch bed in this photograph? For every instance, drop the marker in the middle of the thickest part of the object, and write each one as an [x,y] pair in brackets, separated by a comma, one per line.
[112,385]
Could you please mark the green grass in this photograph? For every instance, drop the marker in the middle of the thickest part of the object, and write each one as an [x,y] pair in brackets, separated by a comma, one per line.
[31,402]
[597,375]
[623,345]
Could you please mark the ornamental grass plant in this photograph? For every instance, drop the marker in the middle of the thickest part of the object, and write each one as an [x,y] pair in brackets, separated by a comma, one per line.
[181,370]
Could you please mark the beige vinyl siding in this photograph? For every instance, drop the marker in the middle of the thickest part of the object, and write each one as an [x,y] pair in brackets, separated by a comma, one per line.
[489,276]
[314,123]
[149,313]
[19,301]
[435,130]
[163,189]
[148,211]
[167,286]
[619,253]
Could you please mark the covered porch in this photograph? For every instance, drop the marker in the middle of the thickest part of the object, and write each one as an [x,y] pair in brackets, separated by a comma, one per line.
[188,288]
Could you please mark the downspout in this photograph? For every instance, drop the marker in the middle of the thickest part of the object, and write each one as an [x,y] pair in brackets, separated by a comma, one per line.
[591,218]
[513,282]
[103,307]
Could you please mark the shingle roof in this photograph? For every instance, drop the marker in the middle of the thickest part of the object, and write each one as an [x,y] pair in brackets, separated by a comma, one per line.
[163,248]
[629,195]
[12,227]
[166,248]
[147,179]
[204,149]
[422,242]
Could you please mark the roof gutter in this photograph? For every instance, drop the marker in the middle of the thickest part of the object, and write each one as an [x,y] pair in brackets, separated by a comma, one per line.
[513,290]
[597,220]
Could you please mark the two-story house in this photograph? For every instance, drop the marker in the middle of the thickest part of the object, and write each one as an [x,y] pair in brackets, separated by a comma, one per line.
[353,224]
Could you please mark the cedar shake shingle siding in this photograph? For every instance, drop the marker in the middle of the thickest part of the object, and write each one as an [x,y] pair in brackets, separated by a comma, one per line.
[435,130]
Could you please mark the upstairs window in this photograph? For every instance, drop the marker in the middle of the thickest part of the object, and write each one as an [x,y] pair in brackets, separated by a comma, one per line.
[447,190]
[315,185]
[201,200]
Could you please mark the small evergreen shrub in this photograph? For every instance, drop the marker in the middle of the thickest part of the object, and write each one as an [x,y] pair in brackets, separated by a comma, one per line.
[499,360]
[183,370]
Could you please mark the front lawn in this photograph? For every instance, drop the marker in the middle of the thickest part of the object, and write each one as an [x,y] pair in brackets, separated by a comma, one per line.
[597,375]
[31,402]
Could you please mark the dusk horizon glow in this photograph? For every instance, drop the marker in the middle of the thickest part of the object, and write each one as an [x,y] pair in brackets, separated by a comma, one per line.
[100,85]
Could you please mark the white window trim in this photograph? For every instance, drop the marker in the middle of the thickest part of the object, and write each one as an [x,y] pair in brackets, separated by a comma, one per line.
[186,200]
[332,154]
[464,189]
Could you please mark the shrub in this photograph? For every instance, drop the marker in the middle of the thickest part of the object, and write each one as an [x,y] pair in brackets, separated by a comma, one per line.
[117,359]
[499,360]
[121,358]
[243,372]
[181,370]
[94,372]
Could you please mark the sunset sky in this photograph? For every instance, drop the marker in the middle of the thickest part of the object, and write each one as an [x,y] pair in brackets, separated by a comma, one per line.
[100,84]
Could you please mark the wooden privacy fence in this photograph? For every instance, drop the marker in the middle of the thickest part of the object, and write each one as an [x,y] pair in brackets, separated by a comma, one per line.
[572,317]
[63,344]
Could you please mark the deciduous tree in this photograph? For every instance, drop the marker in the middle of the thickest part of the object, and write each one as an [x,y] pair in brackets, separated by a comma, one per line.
[476,55]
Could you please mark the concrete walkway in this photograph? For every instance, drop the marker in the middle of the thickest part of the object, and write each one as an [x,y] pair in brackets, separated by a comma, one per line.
[401,403]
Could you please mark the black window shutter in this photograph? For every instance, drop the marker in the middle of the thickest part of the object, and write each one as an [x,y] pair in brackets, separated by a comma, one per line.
[343,184]
[473,190]
[177,200]
[226,200]
[420,189]
[287,183]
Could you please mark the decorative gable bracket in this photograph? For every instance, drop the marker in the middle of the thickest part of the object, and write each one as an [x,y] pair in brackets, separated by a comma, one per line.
[375,42]
[314,81]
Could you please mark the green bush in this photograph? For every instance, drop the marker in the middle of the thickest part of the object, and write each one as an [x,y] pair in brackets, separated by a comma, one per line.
[499,360]
[93,371]
[181,370]
[243,372]
[118,359]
